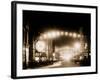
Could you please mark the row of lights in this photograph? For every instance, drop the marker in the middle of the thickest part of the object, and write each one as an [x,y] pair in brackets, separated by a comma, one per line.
[55,34]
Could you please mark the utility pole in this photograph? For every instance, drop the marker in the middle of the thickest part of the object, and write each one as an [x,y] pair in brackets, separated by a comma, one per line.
[82,39]
[26,43]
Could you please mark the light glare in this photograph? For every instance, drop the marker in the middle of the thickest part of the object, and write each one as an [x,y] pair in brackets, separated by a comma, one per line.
[53,34]
[70,34]
[78,35]
[58,33]
[62,33]
[66,55]
[77,45]
[40,46]
[66,33]
[37,59]
[74,35]
[45,36]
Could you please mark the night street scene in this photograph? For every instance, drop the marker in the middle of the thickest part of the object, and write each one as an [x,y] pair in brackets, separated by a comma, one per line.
[56,39]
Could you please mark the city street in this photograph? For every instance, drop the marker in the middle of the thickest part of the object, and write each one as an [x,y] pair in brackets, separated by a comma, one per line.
[60,64]
[57,44]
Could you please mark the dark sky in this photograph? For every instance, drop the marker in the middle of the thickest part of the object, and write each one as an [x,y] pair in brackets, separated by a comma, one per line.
[39,22]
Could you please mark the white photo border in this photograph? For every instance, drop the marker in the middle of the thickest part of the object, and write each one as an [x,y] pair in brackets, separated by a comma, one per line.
[17,21]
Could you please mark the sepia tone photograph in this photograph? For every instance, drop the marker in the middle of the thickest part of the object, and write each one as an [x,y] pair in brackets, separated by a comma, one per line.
[55,39]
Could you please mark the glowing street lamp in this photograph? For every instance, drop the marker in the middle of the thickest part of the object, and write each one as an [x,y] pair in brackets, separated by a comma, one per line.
[70,34]
[78,35]
[58,33]
[77,45]
[49,35]
[74,35]
[66,33]
[62,33]
[45,36]
[54,34]
[40,46]
[65,56]
[37,59]
[41,37]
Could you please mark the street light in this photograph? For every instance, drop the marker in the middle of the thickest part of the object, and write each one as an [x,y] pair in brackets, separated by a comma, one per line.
[66,55]
[58,33]
[66,33]
[54,34]
[77,45]
[62,33]
[70,34]
[45,36]
[40,46]
[49,35]
[37,59]
[74,35]
[78,35]
[41,37]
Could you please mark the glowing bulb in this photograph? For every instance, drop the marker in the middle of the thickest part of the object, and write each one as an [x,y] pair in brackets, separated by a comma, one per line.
[78,35]
[45,36]
[53,34]
[40,46]
[74,35]
[66,33]
[41,37]
[62,33]
[58,33]
[49,35]
[77,45]
[37,59]
[70,34]
[66,55]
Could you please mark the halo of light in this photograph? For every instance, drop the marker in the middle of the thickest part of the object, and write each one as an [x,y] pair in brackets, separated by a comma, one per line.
[53,34]
[45,36]
[41,37]
[40,46]
[70,34]
[62,33]
[78,35]
[74,35]
[77,45]
[49,35]
[37,59]
[65,56]
[66,33]
[58,33]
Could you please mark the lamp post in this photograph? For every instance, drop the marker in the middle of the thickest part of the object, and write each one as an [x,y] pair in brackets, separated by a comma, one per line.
[26,46]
